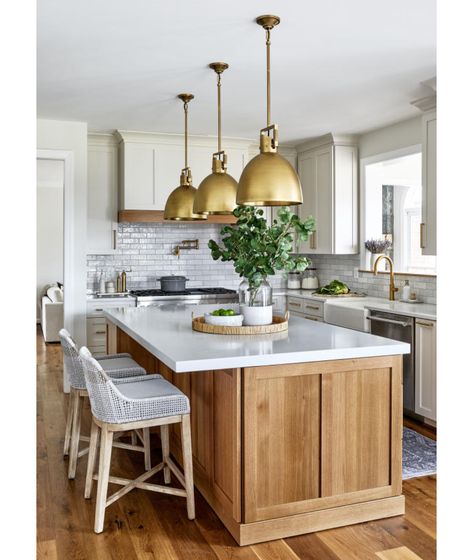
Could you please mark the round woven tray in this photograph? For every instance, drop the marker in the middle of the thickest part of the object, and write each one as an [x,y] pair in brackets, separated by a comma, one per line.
[279,324]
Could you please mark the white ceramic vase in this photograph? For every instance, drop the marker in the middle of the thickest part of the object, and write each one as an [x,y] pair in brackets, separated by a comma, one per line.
[257,315]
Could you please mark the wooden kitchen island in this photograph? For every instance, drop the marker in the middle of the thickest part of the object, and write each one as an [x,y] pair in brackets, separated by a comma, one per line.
[291,433]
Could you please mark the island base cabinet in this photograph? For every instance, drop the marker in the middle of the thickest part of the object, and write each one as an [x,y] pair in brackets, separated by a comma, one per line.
[320,435]
[284,450]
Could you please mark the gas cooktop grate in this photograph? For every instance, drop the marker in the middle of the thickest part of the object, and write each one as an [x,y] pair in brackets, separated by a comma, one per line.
[188,292]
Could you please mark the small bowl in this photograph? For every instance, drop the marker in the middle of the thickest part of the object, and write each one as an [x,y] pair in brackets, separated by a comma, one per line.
[224,320]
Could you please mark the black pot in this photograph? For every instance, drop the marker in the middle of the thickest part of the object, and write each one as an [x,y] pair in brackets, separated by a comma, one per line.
[173,283]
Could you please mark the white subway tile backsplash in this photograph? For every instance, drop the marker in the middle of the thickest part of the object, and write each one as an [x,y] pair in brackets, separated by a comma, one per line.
[147,249]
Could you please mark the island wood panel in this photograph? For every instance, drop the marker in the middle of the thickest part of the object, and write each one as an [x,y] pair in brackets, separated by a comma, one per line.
[345,446]
[282,441]
[356,431]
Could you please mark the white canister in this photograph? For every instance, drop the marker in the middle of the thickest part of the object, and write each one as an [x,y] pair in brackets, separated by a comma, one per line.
[294,281]
[110,287]
[257,315]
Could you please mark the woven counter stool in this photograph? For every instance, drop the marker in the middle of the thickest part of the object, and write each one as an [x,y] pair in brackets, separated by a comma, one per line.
[117,366]
[129,404]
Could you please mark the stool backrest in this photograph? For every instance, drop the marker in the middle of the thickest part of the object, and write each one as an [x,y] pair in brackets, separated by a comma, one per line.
[105,400]
[72,361]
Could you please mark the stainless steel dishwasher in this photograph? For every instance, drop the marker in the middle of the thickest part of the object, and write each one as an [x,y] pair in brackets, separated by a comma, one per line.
[399,327]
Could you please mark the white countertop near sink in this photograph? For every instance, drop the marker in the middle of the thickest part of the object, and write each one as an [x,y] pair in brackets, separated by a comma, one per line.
[419,310]
[167,333]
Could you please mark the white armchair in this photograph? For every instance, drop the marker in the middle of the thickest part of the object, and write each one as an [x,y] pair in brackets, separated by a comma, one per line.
[52,314]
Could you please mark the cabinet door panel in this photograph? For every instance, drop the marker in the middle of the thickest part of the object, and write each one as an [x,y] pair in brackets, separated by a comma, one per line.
[323,211]
[356,431]
[282,468]
[139,177]
[426,369]
[102,199]
[346,200]
[429,183]
[169,161]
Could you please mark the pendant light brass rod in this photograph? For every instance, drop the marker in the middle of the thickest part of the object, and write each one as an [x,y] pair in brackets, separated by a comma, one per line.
[219,83]
[268,76]
[185,134]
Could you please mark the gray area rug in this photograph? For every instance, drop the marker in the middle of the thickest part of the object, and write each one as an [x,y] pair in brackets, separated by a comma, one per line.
[419,455]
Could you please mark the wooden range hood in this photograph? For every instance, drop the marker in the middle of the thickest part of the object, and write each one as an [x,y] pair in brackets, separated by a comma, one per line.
[157,216]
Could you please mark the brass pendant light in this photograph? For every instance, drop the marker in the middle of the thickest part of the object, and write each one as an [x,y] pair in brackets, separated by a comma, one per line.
[180,203]
[269,179]
[217,192]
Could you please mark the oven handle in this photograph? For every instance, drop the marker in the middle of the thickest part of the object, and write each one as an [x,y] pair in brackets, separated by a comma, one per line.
[392,321]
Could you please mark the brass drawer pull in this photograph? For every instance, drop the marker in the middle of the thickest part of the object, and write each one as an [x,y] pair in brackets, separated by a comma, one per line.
[313,240]
[424,324]
[422,235]
[313,307]
[294,304]
[100,332]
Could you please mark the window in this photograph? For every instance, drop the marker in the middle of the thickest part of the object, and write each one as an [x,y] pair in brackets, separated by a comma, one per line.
[392,197]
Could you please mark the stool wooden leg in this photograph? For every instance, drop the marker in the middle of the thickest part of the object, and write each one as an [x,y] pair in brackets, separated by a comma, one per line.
[94,438]
[75,434]
[67,437]
[165,448]
[106,441]
[146,445]
[187,461]
[134,439]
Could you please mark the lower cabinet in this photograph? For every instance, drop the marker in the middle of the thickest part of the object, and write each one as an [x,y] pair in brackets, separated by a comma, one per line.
[96,324]
[307,308]
[426,369]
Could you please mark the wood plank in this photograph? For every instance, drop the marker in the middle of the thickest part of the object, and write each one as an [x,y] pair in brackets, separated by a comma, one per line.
[400,553]
[410,535]
[356,431]
[157,216]
[275,550]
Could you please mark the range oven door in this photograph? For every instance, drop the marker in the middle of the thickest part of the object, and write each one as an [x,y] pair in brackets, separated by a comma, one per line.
[399,327]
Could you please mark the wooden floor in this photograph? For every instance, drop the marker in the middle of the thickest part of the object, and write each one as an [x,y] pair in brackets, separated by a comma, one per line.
[145,525]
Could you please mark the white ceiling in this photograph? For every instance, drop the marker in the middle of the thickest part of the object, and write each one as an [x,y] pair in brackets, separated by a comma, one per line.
[338,66]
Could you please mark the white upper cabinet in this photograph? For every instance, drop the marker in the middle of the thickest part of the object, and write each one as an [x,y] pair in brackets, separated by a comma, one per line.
[150,166]
[329,177]
[428,232]
[426,369]
[102,194]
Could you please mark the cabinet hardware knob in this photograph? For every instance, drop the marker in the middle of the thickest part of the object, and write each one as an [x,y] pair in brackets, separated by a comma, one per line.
[424,324]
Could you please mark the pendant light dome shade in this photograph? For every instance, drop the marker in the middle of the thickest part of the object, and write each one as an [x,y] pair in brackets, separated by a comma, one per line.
[217,192]
[269,179]
[180,203]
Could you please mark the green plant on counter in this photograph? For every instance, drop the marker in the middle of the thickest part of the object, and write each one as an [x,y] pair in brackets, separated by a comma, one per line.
[259,250]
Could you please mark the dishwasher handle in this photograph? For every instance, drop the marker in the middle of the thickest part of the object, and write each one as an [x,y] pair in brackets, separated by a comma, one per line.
[391,321]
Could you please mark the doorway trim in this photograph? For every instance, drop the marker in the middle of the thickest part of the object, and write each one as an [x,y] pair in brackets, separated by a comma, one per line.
[66,156]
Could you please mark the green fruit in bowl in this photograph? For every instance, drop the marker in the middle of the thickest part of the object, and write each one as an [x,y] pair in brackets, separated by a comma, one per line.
[223,313]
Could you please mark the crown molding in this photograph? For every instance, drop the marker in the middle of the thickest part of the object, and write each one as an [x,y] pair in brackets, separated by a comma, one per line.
[328,139]
[177,139]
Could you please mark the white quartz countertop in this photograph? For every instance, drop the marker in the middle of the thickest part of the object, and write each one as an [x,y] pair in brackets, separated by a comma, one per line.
[419,310]
[167,333]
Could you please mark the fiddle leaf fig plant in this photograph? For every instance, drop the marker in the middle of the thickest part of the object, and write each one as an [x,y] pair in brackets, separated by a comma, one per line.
[259,250]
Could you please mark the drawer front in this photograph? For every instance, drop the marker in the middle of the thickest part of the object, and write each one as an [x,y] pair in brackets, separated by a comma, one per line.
[313,318]
[97,351]
[314,308]
[95,321]
[295,304]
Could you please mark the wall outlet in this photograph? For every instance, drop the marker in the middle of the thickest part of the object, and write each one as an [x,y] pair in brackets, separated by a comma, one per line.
[356,272]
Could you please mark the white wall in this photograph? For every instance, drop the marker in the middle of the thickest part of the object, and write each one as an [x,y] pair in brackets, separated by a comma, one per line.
[390,138]
[49,225]
[72,137]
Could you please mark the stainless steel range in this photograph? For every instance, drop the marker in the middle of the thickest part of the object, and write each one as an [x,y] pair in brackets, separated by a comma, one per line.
[189,296]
